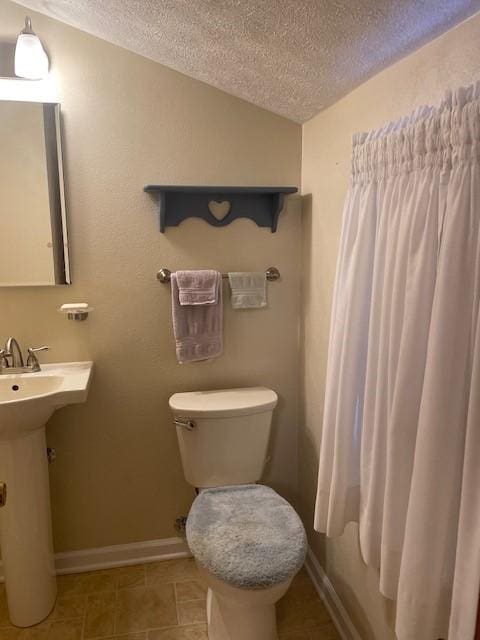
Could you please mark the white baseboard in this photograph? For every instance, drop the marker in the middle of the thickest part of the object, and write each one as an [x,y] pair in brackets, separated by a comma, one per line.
[120,555]
[330,598]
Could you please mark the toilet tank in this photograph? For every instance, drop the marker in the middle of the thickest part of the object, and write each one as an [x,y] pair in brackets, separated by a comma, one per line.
[223,435]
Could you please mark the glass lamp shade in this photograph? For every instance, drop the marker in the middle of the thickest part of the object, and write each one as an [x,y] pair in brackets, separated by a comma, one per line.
[31,61]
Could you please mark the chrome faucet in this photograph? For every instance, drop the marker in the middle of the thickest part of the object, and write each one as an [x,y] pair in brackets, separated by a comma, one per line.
[13,351]
[11,359]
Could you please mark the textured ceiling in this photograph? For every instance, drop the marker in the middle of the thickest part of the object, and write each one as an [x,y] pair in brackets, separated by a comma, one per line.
[292,57]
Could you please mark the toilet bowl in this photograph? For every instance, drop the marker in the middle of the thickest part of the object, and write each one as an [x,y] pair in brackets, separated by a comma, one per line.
[241,614]
[248,542]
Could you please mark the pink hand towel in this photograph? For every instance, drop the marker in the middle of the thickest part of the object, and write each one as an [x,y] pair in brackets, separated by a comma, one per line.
[197,328]
[197,287]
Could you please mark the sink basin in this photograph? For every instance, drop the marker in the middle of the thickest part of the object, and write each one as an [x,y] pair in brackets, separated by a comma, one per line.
[27,401]
[17,388]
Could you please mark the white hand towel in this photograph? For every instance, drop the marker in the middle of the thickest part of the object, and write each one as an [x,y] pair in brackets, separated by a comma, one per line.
[249,289]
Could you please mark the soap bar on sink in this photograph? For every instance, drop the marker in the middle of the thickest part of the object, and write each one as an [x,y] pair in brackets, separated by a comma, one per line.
[74,305]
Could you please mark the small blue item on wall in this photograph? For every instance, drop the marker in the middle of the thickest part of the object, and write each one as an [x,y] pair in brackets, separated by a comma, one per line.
[219,206]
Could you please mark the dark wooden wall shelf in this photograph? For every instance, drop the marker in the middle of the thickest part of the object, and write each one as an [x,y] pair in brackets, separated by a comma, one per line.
[219,206]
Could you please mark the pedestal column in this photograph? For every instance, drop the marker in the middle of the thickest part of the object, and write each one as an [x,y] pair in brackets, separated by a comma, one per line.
[26,529]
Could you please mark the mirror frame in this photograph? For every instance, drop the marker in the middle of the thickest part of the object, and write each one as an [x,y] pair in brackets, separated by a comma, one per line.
[56,191]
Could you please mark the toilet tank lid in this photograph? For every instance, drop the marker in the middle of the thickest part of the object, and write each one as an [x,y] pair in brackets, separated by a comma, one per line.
[224,402]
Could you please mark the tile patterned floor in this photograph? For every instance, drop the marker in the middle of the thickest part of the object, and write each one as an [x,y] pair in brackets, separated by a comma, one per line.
[158,601]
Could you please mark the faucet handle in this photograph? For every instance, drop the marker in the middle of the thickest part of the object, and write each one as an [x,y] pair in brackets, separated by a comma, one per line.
[32,350]
[4,355]
[32,360]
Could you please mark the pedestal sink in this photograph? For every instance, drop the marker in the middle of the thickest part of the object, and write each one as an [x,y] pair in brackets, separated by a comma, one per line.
[27,400]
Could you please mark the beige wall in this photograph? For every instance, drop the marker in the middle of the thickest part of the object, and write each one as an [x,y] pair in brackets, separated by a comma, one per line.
[423,77]
[129,122]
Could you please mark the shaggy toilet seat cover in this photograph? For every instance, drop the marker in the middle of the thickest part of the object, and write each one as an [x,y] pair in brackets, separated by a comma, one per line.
[246,535]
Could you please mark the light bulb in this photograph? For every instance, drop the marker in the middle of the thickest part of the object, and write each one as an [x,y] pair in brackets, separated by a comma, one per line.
[31,61]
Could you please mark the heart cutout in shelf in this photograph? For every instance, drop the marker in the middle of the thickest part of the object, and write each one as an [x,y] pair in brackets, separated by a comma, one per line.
[219,210]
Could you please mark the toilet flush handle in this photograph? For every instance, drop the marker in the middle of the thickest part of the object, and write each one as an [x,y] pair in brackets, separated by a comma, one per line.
[185,423]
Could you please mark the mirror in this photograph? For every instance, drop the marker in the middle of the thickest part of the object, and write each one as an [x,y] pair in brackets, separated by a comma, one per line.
[33,228]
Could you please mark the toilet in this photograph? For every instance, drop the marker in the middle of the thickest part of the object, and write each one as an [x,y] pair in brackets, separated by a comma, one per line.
[248,542]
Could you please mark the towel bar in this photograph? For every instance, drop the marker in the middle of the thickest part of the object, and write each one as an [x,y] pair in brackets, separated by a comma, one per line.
[272,274]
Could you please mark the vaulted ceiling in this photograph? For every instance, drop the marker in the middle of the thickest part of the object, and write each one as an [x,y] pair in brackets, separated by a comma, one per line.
[292,57]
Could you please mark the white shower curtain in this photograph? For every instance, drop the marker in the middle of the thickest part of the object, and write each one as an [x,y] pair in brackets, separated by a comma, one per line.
[400,450]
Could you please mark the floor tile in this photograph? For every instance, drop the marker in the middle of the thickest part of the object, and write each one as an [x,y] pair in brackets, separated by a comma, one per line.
[86,583]
[171,571]
[13,633]
[142,602]
[289,616]
[129,577]
[297,614]
[10,633]
[145,608]
[315,613]
[298,634]
[190,590]
[69,607]
[130,636]
[100,615]
[300,593]
[64,630]
[192,612]
[191,632]
[325,632]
